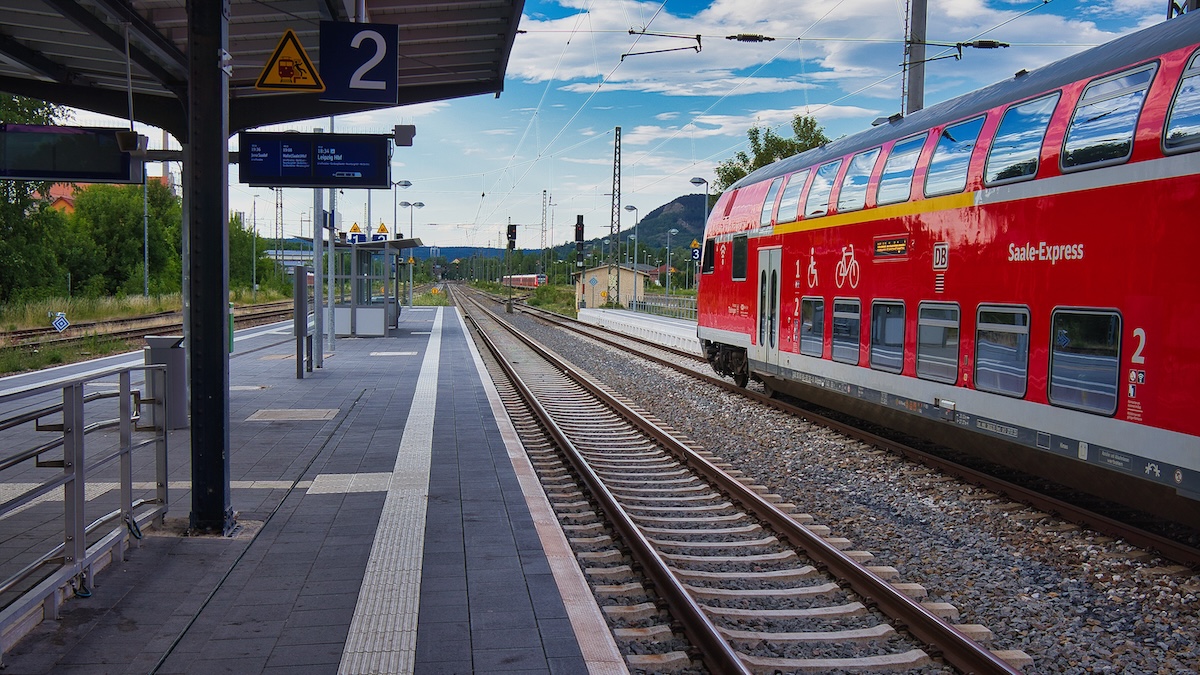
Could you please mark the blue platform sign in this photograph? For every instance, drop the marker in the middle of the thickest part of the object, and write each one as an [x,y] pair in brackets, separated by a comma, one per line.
[360,62]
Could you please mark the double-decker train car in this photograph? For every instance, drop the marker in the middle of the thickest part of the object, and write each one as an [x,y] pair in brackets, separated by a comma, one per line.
[523,280]
[1009,272]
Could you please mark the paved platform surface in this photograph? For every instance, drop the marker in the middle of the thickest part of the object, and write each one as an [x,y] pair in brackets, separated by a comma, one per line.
[663,330]
[389,523]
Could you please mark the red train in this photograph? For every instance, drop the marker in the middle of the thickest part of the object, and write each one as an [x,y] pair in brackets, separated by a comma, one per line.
[1008,272]
[523,280]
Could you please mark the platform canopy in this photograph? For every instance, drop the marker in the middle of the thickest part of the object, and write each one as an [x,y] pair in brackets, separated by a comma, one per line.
[72,52]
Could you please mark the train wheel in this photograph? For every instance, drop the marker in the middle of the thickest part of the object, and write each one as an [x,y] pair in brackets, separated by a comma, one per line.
[769,390]
[742,378]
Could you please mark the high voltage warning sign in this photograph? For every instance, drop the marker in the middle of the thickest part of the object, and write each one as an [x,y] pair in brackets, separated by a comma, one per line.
[289,68]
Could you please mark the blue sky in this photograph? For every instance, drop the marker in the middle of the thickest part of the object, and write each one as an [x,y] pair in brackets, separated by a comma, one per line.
[478,162]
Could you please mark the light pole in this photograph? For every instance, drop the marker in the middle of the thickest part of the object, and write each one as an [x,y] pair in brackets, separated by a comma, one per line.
[395,218]
[395,221]
[254,251]
[410,206]
[704,226]
[633,238]
[669,233]
[698,181]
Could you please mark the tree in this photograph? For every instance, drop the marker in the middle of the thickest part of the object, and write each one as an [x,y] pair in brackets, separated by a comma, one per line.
[768,147]
[108,223]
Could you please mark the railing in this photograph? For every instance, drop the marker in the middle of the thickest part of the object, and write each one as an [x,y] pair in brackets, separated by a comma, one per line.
[678,306]
[43,430]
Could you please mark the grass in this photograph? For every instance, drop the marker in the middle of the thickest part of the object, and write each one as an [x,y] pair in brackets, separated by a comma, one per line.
[21,359]
[41,312]
[434,298]
[556,298]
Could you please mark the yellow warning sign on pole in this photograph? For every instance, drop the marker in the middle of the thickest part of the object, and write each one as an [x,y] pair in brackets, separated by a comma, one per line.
[289,68]
[382,229]
[354,229]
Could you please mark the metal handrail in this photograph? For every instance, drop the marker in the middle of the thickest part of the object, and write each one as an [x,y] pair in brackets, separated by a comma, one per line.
[676,306]
[73,559]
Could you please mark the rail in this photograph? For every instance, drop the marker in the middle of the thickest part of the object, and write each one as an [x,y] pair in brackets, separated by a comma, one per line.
[59,436]
[677,306]
[956,647]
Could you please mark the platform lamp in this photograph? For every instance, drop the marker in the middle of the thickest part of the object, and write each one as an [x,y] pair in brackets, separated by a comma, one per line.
[703,226]
[633,238]
[410,206]
[669,233]
[395,218]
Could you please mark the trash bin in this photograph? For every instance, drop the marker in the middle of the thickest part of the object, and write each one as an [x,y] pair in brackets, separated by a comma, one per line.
[168,350]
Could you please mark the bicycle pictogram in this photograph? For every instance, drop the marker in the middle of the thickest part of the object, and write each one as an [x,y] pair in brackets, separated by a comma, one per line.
[847,268]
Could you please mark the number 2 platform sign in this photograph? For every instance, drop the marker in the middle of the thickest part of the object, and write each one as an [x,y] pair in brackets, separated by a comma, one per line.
[360,61]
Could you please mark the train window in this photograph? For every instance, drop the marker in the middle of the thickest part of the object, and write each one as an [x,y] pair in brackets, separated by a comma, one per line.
[1183,124]
[846,317]
[937,342]
[789,203]
[895,185]
[853,195]
[1018,143]
[812,327]
[1101,130]
[887,336]
[740,249]
[1085,366]
[952,157]
[764,219]
[817,203]
[1002,350]
[710,257]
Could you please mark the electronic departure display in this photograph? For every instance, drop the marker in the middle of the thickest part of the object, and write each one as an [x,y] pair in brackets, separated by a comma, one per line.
[284,159]
[57,153]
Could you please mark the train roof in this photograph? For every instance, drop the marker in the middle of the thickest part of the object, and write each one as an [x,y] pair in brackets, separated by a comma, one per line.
[1143,45]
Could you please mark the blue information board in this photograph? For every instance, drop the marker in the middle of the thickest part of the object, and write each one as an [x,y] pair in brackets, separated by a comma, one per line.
[283,159]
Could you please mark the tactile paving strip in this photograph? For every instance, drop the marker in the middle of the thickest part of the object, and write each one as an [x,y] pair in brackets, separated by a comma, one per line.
[383,632]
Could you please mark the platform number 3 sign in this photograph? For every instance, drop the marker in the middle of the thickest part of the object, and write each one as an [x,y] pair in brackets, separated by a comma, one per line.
[360,61]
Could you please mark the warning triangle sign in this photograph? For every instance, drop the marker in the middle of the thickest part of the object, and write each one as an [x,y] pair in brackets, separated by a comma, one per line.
[289,68]
[354,229]
[382,229]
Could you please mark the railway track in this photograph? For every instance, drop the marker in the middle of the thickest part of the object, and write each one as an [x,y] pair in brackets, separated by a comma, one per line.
[134,328]
[685,543]
[1078,513]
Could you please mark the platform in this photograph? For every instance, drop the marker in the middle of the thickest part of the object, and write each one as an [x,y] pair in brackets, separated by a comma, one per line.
[663,330]
[389,523]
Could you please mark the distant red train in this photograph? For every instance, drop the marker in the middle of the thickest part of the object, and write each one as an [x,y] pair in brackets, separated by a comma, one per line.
[1010,272]
[523,280]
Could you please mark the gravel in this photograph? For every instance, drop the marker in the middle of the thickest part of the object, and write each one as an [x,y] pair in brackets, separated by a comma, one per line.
[1075,601]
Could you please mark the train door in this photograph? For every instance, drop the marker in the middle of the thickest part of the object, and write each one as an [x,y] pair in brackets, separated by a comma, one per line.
[766,348]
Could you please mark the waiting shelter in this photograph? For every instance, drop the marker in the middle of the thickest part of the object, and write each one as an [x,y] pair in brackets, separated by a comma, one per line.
[368,286]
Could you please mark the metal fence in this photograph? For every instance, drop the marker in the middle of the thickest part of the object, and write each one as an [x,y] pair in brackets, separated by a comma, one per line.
[83,470]
[678,306]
